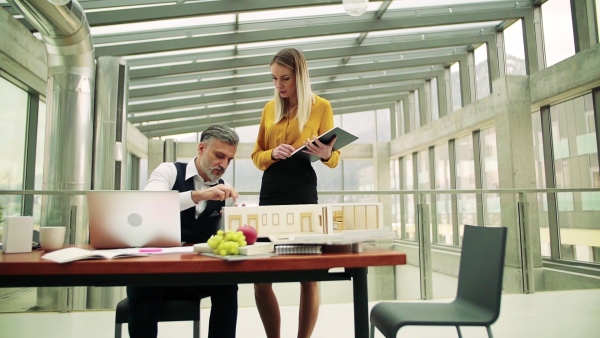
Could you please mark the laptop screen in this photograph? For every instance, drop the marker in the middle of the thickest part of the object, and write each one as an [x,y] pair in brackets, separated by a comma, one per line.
[131,218]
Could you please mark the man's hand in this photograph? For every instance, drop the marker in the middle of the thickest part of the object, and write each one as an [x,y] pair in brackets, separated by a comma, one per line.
[219,192]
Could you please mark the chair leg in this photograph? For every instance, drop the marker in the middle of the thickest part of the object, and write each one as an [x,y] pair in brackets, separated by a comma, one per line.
[458,330]
[489,331]
[117,330]
[372,331]
[196,329]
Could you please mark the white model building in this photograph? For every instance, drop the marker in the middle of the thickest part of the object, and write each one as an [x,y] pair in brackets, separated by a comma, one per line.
[305,218]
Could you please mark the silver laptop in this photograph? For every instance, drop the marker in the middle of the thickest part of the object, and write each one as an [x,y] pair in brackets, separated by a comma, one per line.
[128,219]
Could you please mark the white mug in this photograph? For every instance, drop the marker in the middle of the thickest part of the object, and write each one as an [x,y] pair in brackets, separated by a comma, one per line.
[52,238]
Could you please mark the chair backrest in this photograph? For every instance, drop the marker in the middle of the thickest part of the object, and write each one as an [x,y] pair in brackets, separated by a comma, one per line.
[482,267]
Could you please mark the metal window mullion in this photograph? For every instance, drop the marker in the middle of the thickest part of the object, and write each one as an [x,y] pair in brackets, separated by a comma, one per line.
[407,113]
[549,171]
[465,81]
[526,261]
[393,121]
[423,236]
[596,105]
[433,214]
[402,197]
[30,152]
[453,197]
[477,161]
[584,26]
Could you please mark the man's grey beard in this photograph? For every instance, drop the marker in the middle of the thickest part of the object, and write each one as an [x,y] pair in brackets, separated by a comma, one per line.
[208,170]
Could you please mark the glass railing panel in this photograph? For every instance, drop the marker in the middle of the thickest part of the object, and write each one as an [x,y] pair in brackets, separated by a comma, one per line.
[445,231]
[579,215]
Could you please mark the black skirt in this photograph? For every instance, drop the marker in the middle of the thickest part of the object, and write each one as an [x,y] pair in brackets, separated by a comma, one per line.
[290,181]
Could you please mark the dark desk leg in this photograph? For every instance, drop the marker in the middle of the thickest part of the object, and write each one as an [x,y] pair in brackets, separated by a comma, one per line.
[361,303]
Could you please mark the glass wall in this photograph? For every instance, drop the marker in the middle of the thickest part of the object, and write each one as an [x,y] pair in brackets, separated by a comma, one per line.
[465,179]
[13,135]
[395,185]
[576,166]
[490,178]
[540,178]
[443,201]
[384,125]
[39,161]
[408,216]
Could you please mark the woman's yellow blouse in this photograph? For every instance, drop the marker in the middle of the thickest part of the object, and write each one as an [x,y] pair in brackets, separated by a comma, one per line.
[271,134]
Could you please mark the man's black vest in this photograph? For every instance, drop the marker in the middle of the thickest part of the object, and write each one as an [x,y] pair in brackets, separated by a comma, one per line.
[197,230]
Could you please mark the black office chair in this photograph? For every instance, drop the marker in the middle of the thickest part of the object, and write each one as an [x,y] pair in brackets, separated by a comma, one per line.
[171,311]
[477,301]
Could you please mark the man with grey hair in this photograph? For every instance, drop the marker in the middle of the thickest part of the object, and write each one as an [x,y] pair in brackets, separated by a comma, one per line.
[202,194]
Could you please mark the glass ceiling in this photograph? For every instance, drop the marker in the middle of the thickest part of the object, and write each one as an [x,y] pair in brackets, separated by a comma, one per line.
[195,61]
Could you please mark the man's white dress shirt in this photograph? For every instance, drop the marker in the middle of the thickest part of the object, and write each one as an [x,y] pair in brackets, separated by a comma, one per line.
[164,177]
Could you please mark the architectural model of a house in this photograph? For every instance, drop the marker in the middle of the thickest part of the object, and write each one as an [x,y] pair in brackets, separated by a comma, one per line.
[306,218]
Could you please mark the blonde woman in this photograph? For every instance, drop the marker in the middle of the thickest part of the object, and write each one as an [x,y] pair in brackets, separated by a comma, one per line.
[293,118]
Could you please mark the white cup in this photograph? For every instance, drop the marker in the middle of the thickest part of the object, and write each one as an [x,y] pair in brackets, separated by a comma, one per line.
[52,238]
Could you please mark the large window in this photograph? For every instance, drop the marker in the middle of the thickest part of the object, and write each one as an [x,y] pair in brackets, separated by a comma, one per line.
[455,87]
[384,126]
[408,200]
[12,135]
[443,201]
[359,175]
[482,74]
[514,49]
[246,178]
[435,104]
[540,178]
[465,179]
[576,166]
[39,161]
[490,178]
[559,41]
[395,185]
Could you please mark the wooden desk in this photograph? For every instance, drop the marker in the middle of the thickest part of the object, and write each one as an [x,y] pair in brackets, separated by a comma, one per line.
[28,269]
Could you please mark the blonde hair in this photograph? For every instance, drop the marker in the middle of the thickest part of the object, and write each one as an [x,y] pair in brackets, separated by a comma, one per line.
[294,60]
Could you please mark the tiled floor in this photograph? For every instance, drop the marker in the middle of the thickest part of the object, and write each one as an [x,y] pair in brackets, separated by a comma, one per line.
[544,314]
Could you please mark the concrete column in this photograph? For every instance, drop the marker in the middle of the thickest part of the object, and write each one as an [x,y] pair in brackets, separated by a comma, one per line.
[535,60]
[514,134]
[442,93]
[465,81]
[394,118]
[500,54]
[584,24]
[406,128]
[427,112]
[422,113]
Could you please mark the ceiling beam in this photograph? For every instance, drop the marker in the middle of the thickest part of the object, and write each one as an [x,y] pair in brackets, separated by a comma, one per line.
[309,30]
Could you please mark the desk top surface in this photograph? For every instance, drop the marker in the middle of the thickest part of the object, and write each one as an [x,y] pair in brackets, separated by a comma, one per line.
[31,264]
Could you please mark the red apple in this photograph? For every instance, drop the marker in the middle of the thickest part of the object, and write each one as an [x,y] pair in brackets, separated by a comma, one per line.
[249,232]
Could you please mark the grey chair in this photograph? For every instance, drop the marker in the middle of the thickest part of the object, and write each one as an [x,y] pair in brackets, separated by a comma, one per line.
[171,311]
[479,291]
